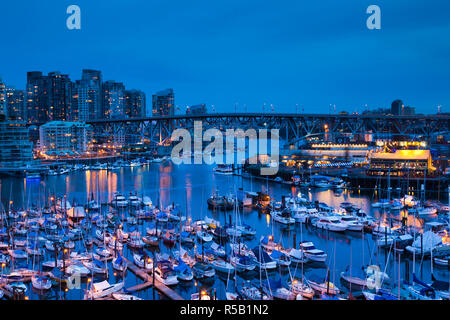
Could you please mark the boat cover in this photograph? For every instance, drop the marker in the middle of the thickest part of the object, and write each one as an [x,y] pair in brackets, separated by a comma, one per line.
[430,240]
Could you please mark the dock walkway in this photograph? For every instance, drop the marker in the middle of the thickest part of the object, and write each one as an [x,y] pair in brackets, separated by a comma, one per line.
[161,287]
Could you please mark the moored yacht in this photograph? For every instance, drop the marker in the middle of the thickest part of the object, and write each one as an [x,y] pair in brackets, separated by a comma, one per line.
[330,223]
[312,253]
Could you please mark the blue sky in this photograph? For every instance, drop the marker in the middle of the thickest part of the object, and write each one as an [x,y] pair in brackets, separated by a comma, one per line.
[310,53]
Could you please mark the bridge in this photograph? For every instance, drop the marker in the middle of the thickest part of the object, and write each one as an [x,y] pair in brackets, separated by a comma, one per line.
[293,127]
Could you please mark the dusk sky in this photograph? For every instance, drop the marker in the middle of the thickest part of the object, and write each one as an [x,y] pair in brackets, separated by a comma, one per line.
[310,53]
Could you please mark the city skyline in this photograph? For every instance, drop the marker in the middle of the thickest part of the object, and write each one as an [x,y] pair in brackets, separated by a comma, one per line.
[228,54]
[92,80]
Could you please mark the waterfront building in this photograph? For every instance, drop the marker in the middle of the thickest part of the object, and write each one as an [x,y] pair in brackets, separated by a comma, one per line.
[15,148]
[36,97]
[48,97]
[15,103]
[135,104]
[163,103]
[327,153]
[3,109]
[63,138]
[85,101]
[401,163]
[197,109]
[92,79]
[113,99]
[60,94]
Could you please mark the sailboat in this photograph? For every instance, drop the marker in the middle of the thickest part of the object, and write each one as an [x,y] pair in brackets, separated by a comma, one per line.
[119,263]
[278,291]
[419,290]
[321,285]
[40,282]
[250,292]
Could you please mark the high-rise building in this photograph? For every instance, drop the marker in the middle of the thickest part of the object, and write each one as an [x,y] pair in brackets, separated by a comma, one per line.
[85,101]
[163,103]
[135,104]
[60,94]
[48,97]
[113,99]
[3,103]
[93,80]
[197,109]
[63,138]
[397,107]
[15,148]
[15,103]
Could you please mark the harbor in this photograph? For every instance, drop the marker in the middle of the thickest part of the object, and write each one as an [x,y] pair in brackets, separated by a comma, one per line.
[214,235]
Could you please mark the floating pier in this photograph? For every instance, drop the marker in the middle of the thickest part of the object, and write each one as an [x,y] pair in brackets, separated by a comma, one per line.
[161,287]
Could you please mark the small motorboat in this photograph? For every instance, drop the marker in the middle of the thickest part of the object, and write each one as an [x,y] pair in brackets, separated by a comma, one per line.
[203,295]
[96,266]
[279,292]
[4,259]
[250,292]
[135,241]
[297,256]
[81,256]
[79,269]
[379,294]
[18,254]
[222,266]
[442,261]
[283,217]
[169,238]
[151,240]
[204,236]
[122,296]
[17,286]
[141,262]
[352,222]
[312,253]
[203,270]
[330,223]
[103,252]
[186,237]
[302,288]
[41,283]
[183,271]
[102,289]
[243,263]
[321,285]
[164,273]
[217,202]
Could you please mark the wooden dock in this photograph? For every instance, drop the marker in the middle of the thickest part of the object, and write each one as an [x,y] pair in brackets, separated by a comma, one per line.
[161,287]
[140,286]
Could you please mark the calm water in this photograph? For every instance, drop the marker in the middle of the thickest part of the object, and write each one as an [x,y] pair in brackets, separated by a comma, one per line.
[190,186]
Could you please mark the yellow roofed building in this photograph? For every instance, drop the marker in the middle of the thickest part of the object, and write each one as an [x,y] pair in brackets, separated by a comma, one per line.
[414,162]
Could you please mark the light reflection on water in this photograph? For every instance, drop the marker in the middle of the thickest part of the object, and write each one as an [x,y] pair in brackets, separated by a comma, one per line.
[190,186]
